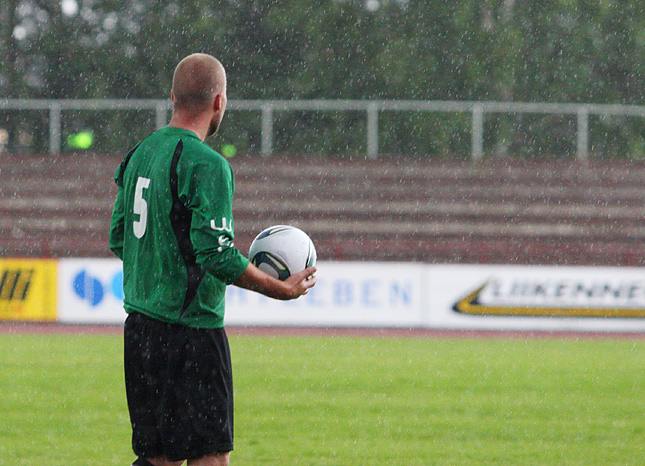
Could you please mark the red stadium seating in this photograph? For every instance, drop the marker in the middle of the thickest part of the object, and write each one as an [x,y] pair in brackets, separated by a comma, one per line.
[505,211]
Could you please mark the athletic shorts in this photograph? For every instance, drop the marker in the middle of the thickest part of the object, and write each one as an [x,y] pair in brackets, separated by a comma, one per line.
[179,388]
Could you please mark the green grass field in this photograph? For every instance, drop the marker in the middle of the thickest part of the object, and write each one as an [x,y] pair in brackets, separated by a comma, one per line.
[351,401]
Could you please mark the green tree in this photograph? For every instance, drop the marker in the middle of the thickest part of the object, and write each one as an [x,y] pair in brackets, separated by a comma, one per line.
[518,50]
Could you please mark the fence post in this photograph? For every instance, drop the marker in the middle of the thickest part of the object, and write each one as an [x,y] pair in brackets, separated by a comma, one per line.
[54,128]
[372,130]
[583,133]
[267,130]
[477,137]
[160,115]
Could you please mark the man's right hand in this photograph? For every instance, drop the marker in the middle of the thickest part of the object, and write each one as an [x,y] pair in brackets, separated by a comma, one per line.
[300,283]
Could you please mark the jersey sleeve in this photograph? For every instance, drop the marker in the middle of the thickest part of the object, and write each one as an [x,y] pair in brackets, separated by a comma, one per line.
[206,187]
[118,218]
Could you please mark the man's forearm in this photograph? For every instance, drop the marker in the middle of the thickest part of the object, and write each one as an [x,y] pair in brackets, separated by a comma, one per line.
[296,285]
[255,279]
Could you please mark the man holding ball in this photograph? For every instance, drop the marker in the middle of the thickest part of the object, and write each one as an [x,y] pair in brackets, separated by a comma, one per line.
[172,226]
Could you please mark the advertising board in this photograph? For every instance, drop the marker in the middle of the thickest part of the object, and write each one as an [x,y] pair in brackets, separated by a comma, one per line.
[28,289]
[536,298]
[90,291]
[346,294]
[404,295]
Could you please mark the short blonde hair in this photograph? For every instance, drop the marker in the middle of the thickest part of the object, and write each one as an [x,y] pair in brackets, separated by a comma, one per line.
[197,79]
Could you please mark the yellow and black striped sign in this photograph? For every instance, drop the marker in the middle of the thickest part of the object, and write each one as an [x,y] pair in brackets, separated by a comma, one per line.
[28,289]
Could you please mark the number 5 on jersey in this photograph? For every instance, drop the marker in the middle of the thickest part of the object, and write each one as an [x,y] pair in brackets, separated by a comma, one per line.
[140,207]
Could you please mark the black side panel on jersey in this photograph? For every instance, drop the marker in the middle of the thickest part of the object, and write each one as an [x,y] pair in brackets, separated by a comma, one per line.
[124,164]
[180,218]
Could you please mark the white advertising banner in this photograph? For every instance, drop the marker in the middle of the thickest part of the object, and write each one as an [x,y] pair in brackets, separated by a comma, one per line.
[346,294]
[536,298]
[469,297]
[90,291]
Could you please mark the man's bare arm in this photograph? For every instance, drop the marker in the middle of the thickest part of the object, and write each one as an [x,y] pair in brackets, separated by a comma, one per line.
[293,287]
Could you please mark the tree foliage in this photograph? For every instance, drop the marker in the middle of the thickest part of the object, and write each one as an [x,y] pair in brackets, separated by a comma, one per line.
[505,50]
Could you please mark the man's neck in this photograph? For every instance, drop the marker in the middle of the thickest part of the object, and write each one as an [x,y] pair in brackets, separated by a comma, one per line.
[199,126]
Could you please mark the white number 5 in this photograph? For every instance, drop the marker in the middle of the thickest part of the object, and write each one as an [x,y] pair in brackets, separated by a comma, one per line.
[140,207]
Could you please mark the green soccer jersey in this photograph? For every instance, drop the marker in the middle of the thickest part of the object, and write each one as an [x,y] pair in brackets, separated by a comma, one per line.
[172,226]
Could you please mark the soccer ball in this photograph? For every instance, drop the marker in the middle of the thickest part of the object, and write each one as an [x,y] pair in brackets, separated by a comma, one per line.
[282,250]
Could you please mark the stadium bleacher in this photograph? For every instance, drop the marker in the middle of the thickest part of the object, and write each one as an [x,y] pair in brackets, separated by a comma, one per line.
[558,212]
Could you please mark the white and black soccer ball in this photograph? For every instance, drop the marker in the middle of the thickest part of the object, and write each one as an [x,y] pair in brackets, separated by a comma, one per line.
[282,250]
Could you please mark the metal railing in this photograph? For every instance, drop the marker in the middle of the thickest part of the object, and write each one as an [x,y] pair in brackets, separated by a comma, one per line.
[372,109]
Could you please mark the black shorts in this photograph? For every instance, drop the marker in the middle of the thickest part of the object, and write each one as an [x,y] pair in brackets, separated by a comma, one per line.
[179,387]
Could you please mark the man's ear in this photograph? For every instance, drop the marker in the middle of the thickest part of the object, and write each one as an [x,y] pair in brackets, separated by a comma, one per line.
[218,102]
[172,96]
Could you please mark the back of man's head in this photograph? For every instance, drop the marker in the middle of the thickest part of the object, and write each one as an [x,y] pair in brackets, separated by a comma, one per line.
[198,78]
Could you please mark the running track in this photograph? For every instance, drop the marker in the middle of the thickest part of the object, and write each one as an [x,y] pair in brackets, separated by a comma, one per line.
[55,328]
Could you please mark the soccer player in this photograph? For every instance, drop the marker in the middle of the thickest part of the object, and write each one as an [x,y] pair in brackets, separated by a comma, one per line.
[172,226]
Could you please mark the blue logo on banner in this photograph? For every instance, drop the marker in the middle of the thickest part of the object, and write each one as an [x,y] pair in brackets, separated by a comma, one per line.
[90,289]
[117,285]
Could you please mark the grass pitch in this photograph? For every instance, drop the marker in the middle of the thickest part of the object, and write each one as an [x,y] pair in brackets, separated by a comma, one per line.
[351,401]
